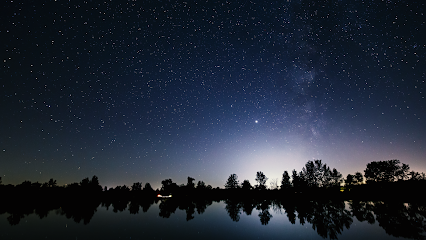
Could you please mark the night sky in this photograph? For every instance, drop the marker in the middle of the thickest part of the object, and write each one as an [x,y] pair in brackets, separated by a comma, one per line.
[141,91]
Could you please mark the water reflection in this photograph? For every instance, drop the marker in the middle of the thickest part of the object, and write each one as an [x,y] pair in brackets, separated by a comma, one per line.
[169,206]
[329,219]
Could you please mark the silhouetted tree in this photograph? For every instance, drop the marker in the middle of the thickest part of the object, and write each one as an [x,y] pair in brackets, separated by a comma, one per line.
[85,183]
[51,183]
[190,183]
[359,178]
[335,179]
[386,171]
[416,176]
[148,188]
[137,187]
[168,186]
[317,174]
[350,180]
[354,179]
[73,186]
[246,185]
[296,179]
[94,184]
[232,182]
[1,183]
[201,185]
[261,180]
[26,185]
[285,182]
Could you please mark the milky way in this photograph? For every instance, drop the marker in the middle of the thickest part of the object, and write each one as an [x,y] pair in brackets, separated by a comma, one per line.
[144,91]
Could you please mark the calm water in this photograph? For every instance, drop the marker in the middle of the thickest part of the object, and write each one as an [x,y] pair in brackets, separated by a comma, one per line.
[219,220]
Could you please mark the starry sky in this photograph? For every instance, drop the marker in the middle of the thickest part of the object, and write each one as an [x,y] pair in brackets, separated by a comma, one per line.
[141,91]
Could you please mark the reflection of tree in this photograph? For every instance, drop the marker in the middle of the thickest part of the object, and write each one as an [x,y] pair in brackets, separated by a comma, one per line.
[290,210]
[133,207]
[247,206]
[17,213]
[79,211]
[43,210]
[146,204]
[401,220]
[189,207]
[15,218]
[233,208]
[201,205]
[265,216]
[119,205]
[330,218]
[167,207]
[362,211]
[327,218]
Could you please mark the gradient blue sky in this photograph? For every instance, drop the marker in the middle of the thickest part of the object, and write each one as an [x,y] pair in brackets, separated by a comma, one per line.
[143,91]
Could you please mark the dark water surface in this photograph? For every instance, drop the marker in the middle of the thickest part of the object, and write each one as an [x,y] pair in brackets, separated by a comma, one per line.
[167,219]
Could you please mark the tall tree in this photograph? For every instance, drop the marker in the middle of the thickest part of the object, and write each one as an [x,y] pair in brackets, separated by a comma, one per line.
[246,185]
[297,180]
[137,187]
[148,188]
[168,186]
[190,183]
[51,183]
[359,178]
[232,182]
[285,182]
[94,184]
[335,179]
[350,180]
[201,185]
[386,171]
[85,183]
[317,174]
[261,180]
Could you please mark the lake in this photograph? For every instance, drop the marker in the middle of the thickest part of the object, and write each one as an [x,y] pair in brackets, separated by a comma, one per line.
[172,219]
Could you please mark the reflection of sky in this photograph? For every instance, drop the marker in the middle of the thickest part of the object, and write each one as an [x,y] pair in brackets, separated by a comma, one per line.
[141,92]
[214,223]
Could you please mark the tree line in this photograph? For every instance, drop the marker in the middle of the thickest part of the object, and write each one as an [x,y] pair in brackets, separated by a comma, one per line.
[314,175]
